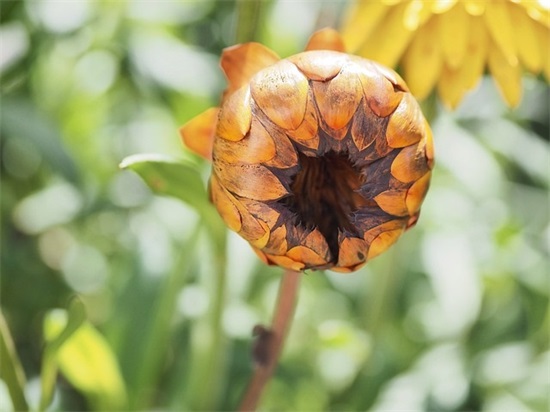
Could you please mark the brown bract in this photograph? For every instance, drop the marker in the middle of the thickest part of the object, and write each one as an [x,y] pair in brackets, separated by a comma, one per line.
[320,160]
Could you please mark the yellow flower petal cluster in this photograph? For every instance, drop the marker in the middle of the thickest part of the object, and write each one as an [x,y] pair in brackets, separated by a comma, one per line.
[448,44]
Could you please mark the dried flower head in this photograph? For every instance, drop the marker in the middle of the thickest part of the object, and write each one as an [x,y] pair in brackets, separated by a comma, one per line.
[320,160]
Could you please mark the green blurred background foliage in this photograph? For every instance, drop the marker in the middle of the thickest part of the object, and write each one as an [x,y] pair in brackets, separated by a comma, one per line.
[454,317]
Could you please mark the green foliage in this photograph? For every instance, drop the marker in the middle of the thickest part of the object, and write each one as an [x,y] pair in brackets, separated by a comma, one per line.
[454,317]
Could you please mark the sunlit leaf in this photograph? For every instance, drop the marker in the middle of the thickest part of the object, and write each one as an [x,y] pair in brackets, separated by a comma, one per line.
[69,322]
[85,358]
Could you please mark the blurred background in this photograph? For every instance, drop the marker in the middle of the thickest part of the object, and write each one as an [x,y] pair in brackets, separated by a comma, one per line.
[454,317]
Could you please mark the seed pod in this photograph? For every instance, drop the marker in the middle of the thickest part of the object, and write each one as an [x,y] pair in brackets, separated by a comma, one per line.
[320,160]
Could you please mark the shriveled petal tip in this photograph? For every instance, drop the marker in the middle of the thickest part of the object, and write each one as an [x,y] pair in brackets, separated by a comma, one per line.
[406,125]
[326,39]
[353,252]
[198,133]
[320,65]
[241,62]
[235,116]
[338,98]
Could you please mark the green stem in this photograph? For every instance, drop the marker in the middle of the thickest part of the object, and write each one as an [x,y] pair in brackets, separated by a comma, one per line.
[271,341]
[11,370]
[249,18]
[158,336]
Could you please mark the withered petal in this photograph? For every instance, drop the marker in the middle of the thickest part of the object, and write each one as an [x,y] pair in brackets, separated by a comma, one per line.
[367,127]
[256,147]
[285,262]
[378,91]
[383,241]
[306,255]
[320,65]
[285,153]
[407,125]
[222,199]
[242,61]
[198,133]
[277,244]
[235,116]
[252,181]
[280,91]
[353,251]
[411,163]
[393,202]
[416,193]
[395,79]
[306,133]
[338,98]
[326,39]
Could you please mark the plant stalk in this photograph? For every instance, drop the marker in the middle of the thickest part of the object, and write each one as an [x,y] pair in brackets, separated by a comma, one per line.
[269,344]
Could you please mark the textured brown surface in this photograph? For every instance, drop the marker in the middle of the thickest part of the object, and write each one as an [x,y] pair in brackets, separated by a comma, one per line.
[333,166]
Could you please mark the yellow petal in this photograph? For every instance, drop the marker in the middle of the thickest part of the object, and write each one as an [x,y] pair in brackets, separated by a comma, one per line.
[474,7]
[307,256]
[353,251]
[406,125]
[326,39]
[416,193]
[478,44]
[256,147]
[416,14]
[450,87]
[507,76]
[410,164]
[241,62]
[501,29]
[392,202]
[454,32]
[360,21]
[281,93]
[319,65]
[222,199]
[389,39]
[198,133]
[250,181]
[338,98]
[423,60]
[442,6]
[235,116]
[527,42]
[543,35]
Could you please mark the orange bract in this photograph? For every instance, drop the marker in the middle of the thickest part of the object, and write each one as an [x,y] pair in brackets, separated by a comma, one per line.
[321,160]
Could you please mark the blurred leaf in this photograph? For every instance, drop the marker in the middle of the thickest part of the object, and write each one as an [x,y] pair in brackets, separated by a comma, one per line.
[85,358]
[71,321]
[11,370]
[179,178]
[20,118]
[170,176]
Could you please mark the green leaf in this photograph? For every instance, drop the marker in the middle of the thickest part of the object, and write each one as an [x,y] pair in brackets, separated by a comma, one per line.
[169,176]
[11,370]
[85,358]
[180,178]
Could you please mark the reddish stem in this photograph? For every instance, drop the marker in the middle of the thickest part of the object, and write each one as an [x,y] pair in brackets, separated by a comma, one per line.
[270,342]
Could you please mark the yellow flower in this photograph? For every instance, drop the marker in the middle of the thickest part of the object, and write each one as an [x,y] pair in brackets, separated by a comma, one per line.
[320,160]
[448,43]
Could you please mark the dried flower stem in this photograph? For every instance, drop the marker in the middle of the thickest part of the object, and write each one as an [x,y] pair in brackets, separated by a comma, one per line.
[270,342]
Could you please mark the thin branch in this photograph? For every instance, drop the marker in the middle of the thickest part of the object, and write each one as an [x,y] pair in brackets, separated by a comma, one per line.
[269,343]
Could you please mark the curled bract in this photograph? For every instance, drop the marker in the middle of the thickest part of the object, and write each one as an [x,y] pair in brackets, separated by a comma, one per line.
[320,160]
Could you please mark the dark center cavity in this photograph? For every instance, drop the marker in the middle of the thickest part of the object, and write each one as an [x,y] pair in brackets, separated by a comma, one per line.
[324,195]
